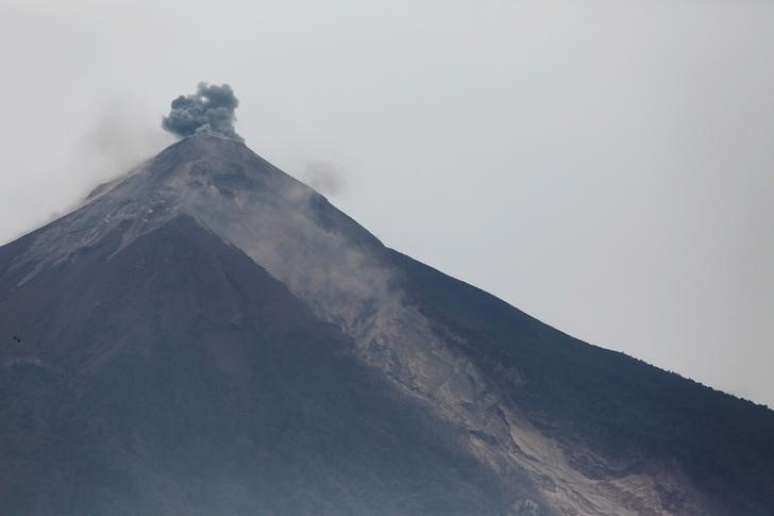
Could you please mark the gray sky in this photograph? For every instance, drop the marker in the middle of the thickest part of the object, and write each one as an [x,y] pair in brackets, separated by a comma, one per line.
[606,166]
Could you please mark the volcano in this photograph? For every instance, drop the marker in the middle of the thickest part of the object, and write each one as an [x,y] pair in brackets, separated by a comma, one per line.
[208,336]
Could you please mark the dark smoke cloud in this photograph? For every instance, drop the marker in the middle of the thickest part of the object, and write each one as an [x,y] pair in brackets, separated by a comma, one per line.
[210,109]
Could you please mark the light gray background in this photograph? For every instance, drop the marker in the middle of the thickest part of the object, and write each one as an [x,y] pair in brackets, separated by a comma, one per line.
[607,166]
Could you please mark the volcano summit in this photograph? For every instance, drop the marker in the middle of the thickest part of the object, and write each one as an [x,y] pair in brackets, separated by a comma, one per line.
[208,336]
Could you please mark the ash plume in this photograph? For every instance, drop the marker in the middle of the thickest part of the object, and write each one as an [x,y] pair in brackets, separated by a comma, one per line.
[209,110]
[325,177]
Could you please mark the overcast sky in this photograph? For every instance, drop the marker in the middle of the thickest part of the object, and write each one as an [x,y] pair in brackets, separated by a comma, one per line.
[606,166]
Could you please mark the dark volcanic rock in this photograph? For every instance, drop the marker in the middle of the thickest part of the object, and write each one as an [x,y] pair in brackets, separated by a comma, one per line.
[208,336]
[177,377]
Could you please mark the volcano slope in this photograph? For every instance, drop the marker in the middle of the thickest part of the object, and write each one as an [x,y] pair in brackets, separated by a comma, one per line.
[206,335]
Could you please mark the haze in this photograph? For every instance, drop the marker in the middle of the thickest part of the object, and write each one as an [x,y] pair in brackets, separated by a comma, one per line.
[607,167]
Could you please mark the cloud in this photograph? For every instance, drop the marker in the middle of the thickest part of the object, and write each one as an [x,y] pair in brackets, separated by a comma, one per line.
[210,110]
[324,177]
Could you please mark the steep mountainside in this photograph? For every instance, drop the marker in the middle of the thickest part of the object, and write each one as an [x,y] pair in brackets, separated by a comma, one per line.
[206,335]
[177,377]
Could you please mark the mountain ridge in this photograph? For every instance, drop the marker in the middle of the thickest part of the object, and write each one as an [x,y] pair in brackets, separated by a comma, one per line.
[556,425]
[131,383]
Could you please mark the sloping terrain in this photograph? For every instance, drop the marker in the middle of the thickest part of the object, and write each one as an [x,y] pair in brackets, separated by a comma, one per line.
[175,376]
[616,419]
[206,335]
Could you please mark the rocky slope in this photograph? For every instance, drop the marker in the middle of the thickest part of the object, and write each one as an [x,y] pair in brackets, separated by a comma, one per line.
[206,335]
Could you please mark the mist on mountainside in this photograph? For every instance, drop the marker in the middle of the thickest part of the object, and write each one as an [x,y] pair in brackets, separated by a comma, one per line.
[208,335]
